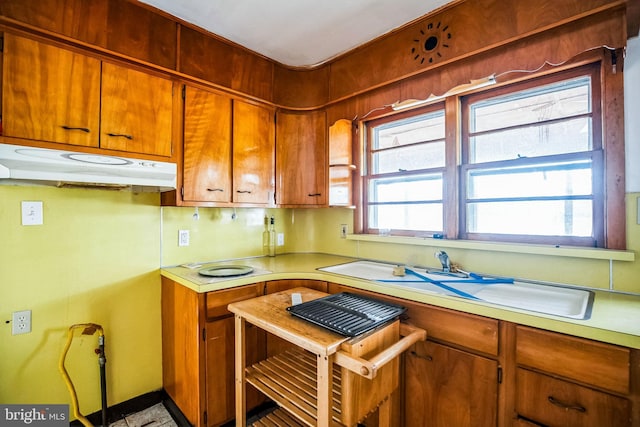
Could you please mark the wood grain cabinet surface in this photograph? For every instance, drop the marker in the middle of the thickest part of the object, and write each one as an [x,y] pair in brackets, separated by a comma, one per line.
[198,351]
[568,381]
[136,111]
[448,387]
[557,403]
[228,151]
[55,95]
[253,154]
[50,94]
[301,159]
[206,146]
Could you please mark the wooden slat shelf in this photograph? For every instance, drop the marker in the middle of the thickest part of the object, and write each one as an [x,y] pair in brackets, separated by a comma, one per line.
[277,418]
[290,380]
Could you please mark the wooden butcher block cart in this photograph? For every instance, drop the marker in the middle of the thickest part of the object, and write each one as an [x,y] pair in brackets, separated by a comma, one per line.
[324,378]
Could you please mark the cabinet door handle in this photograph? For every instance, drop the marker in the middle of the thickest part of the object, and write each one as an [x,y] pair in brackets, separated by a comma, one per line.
[243,191]
[120,135]
[315,194]
[215,189]
[566,406]
[65,127]
[420,356]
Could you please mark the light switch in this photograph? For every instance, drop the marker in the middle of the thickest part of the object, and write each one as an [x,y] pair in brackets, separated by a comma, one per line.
[32,213]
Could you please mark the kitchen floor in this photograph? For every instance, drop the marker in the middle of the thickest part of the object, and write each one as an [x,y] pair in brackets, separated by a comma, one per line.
[155,416]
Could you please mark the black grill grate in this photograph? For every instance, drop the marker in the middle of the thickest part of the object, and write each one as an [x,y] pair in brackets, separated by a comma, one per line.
[347,314]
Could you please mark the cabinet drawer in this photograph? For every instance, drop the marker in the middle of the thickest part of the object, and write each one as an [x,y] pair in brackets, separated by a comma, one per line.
[591,362]
[217,301]
[554,402]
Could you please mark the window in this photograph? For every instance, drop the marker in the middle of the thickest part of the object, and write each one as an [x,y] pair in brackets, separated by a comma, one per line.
[405,172]
[531,165]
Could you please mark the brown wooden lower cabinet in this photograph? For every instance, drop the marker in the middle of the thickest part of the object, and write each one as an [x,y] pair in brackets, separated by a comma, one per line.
[198,351]
[448,387]
[220,379]
[550,379]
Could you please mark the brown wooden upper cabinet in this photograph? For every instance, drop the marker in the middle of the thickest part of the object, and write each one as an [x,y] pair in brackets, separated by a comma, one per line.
[50,94]
[254,136]
[207,147]
[229,151]
[301,158]
[54,95]
[136,111]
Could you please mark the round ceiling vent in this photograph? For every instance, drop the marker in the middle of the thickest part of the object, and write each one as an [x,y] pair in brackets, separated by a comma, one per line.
[430,45]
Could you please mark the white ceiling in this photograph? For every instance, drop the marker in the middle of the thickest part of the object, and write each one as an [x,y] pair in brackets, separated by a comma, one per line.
[298,32]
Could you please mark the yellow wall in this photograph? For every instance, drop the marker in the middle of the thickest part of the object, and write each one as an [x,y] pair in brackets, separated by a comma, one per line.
[216,235]
[95,259]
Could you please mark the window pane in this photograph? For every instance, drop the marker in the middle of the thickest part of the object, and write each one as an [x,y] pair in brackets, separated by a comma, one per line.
[427,217]
[559,179]
[564,99]
[535,218]
[427,127]
[568,136]
[423,156]
[409,188]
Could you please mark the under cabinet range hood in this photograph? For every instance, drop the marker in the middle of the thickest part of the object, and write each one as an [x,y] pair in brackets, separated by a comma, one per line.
[23,164]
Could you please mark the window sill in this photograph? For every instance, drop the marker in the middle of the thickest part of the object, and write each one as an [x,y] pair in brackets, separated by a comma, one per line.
[558,251]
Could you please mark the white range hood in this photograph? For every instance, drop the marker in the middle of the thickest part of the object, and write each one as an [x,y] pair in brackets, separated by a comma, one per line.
[23,164]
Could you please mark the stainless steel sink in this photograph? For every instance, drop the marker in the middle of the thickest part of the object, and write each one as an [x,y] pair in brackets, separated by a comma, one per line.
[555,300]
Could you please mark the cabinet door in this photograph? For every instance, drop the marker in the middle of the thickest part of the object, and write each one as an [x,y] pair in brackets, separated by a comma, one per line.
[220,381]
[50,94]
[301,159]
[253,154]
[207,147]
[447,387]
[136,111]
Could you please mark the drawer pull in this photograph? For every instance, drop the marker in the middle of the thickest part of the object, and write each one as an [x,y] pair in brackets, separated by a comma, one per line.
[425,357]
[314,194]
[119,135]
[243,191]
[75,128]
[215,189]
[565,406]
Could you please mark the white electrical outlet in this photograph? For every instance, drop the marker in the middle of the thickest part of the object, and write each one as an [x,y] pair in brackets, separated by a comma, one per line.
[280,239]
[183,237]
[21,322]
[343,231]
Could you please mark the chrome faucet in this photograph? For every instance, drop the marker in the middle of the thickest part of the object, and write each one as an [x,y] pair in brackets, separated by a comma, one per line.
[444,260]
